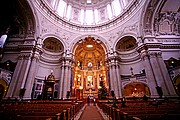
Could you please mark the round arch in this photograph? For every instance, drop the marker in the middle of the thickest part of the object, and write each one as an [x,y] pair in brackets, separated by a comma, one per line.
[136,89]
[89,67]
[121,37]
[44,37]
[103,42]
[53,44]
[126,43]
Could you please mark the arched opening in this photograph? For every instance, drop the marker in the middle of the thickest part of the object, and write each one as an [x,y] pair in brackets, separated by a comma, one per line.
[3,88]
[52,44]
[136,89]
[126,43]
[90,68]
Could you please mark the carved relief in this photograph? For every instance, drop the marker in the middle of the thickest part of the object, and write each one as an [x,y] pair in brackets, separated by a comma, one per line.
[102,14]
[148,16]
[168,40]
[44,23]
[167,23]
[112,35]
[128,28]
[152,54]
[76,14]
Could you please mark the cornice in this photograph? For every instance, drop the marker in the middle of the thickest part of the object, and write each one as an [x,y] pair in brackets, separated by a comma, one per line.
[48,60]
[170,46]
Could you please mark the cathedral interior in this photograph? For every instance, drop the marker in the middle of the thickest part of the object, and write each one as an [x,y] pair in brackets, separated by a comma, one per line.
[66,48]
[89,59]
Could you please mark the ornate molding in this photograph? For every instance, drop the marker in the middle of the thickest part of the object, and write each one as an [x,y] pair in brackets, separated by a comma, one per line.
[113,60]
[148,16]
[169,40]
[53,15]
[170,21]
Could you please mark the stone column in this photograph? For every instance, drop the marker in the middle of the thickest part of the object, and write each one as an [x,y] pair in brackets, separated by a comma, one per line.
[111,78]
[66,76]
[114,80]
[119,84]
[20,75]
[167,81]
[149,73]
[31,76]
[155,67]
[69,78]
[60,91]
[157,72]
[14,81]
[26,67]
[65,81]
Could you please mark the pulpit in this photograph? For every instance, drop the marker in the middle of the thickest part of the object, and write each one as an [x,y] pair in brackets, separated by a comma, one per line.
[48,88]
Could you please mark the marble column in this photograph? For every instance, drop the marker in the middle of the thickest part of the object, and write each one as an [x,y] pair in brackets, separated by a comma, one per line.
[111,78]
[64,82]
[167,81]
[60,91]
[69,78]
[119,81]
[20,75]
[149,73]
[114,76]
[31,76]
[13,84]
[65,85]
[66,76]
[26,65]
[157,72]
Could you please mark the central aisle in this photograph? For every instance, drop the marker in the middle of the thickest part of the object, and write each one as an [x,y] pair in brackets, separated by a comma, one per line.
[90,112]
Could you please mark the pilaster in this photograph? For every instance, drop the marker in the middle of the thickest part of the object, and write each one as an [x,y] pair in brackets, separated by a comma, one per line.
[66,76]
[167,81]
[113,62]
[149,73]
[31,74]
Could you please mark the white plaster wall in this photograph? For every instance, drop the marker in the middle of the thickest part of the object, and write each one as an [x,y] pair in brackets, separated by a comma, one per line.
[125,68]
[168,54]
[45,70]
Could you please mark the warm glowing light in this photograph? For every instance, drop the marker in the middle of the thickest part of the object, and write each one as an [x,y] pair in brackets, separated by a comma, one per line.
[80,87]
[89,46]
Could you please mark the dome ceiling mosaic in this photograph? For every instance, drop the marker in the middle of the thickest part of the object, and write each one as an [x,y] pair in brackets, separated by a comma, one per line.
[88,12]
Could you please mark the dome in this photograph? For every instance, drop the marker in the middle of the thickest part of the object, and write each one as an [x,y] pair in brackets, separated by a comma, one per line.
[88,12]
